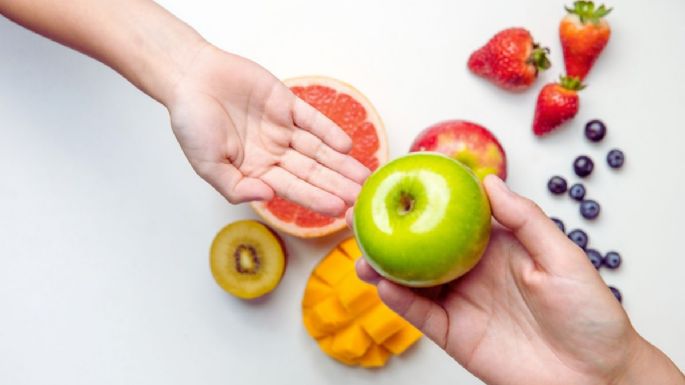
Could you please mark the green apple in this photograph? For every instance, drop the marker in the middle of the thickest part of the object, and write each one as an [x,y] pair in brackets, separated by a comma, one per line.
[422,220]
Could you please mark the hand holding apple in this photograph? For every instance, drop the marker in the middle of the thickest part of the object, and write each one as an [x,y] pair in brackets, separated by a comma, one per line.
[422,219]
[533,311]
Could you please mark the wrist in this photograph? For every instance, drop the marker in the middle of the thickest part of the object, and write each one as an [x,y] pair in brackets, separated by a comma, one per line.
[166,49]
[147,45]
[646,364]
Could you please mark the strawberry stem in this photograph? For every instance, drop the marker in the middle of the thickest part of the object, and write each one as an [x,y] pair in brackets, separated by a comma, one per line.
[539,58]
[571,83]
[587,12]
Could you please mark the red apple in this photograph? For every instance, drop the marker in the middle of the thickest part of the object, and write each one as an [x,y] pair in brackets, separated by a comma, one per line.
[467,142]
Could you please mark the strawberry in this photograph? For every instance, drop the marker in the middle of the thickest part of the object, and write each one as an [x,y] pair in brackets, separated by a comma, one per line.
[510,59]
[584,33]
[557,103]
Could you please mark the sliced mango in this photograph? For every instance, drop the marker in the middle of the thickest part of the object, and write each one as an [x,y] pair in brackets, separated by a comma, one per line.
[351,248]
[334,267]
[315,292]
[381,323]
[326,344]
[311,327]
[375,357]
[352,342]
[403,339]
[329,315]
[355,295]
[346,316]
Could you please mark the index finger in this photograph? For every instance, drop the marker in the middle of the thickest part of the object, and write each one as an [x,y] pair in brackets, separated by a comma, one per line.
[310,119]
[299,191]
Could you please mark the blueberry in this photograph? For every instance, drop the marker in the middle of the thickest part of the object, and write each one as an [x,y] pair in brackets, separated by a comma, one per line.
[557,185]
[616,293]
[559,224]
[595,130]
[579,237]
[577,192]
[589,209]
[612,260]
[615,158]
[583,166]
[595,257]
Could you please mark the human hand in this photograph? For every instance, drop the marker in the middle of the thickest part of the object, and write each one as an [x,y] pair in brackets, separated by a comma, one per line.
[242,130]
[250,137]
[533,311]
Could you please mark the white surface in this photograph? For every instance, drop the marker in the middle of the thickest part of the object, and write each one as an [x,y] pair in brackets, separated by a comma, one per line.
[105,228]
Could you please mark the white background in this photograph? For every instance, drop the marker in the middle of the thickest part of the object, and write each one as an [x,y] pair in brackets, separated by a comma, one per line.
[105,229]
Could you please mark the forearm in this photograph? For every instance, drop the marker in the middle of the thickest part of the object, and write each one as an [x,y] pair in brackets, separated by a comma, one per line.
[139,39]
[648,366]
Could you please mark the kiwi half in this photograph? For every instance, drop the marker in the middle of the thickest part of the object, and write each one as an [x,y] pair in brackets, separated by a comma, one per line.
[247,259]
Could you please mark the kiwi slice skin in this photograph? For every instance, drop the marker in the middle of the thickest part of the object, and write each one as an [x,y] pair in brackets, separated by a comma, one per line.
[247,259]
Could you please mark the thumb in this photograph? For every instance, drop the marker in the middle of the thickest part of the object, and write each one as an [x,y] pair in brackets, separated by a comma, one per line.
[549,247]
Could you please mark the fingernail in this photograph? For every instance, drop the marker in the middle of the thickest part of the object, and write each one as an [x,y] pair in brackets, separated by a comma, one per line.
[349,217]
[497,182]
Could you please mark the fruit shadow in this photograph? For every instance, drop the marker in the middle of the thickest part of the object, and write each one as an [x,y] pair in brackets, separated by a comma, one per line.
[497,91]
[248,304]
[314,248]
[401,360]
[404,359]
[330,240]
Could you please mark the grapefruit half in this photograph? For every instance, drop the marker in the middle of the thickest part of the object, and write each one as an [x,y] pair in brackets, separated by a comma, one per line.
[353,112]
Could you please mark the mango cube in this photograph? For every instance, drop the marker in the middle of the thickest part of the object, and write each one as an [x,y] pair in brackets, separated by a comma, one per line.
[375,357]
[351,342]
[402,340]
[381,322]
[310,326]
[329,315]
[351,248]
[326,344]
[356,295]
[334,267]
[315,292]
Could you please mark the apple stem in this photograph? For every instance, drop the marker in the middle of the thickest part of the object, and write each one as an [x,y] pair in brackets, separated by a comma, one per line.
[406,204]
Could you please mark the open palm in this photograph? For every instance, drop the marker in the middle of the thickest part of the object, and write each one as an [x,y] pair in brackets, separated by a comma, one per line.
[533,311]
[249,136]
